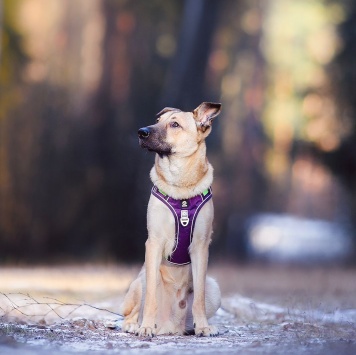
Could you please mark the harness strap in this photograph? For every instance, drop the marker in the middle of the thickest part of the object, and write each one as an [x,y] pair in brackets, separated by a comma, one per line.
[185,213]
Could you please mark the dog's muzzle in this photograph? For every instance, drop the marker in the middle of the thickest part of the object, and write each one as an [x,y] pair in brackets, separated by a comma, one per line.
[153,139]
[144,132]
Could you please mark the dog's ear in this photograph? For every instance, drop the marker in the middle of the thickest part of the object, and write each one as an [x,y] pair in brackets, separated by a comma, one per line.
[205,113]
[166,109]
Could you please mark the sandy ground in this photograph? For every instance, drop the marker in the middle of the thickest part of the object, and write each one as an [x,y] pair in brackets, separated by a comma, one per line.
[265,310]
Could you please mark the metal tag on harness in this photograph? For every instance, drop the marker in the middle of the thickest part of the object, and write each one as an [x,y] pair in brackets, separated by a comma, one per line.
[184,218]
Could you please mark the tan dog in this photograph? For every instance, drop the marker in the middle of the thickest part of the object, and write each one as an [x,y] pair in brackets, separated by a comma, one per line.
[166,298]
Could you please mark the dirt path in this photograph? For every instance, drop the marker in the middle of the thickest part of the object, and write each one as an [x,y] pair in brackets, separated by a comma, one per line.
[264,311]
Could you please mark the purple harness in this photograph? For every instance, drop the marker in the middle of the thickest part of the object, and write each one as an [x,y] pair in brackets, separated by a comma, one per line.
[185,213]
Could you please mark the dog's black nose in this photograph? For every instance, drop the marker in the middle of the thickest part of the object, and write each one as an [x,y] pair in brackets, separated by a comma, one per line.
[143,132]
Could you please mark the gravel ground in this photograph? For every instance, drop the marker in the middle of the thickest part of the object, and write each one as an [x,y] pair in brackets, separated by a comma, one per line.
[265,310]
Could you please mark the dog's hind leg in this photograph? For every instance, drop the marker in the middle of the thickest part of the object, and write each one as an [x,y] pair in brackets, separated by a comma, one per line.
[131,306]
[212,297]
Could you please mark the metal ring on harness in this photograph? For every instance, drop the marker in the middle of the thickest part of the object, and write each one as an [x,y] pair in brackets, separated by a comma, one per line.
[184,218]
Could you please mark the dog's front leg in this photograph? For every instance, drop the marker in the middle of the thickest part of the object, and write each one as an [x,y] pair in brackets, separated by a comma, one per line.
[152,262]
[199,268]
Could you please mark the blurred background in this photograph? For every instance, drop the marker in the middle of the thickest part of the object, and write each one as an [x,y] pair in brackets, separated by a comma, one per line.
[78,78]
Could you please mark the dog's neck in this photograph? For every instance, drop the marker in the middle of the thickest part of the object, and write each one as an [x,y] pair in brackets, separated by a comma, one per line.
[183,177]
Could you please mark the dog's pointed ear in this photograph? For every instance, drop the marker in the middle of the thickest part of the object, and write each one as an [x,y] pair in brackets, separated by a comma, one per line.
[205,113]
[166,109]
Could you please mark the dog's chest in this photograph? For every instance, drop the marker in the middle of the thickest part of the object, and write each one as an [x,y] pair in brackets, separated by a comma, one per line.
[184,214]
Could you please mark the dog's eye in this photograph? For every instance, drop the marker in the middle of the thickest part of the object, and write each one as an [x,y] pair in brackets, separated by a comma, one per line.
[157,120]
[175,124]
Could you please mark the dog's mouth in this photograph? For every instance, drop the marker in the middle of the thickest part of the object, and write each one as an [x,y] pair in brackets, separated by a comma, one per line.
[159,149]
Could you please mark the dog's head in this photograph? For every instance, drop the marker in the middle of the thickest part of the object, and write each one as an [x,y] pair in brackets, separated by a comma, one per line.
[177,132]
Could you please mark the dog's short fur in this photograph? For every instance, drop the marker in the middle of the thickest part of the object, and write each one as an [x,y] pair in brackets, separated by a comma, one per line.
[165,298]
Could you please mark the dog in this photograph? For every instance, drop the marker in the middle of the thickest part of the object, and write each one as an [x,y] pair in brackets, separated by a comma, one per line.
[172,294]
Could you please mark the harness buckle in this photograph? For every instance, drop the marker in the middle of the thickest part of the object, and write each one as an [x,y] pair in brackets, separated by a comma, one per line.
[184,218]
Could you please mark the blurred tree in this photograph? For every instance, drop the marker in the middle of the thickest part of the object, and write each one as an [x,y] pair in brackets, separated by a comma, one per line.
[342,159]
[186,81]
[125,100]
[237,68]
[12,60]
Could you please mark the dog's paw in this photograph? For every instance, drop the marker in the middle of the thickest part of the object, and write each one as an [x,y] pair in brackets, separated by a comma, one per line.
[130,327]
[146,332]
[209,331]
[169,329]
